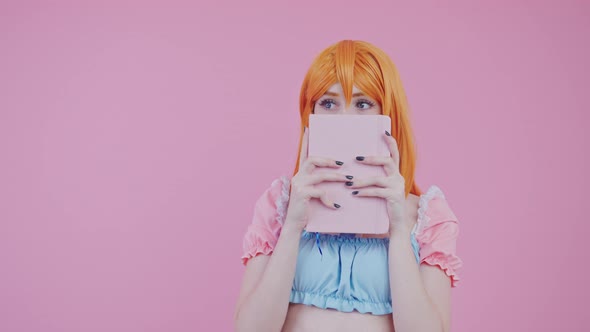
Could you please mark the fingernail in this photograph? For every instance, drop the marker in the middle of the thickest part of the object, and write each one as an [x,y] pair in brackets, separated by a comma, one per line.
[360,158]
[355,192]
[387,133]
[339,163]
[337,205]
[349,183]
[349,177]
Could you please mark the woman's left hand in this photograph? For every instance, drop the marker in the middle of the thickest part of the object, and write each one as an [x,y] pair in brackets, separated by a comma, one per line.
[392,186]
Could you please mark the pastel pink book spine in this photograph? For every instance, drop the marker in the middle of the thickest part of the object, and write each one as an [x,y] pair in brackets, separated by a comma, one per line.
[343,137]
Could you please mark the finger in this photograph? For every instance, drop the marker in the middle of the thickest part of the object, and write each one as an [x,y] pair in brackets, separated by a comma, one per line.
[379,181]
[370,192]
[304,144]
[393,149]
[385,161]
[323,197]
[327,176]
[314,161]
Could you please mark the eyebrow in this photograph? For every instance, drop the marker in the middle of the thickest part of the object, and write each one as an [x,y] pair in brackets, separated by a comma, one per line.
[330,93]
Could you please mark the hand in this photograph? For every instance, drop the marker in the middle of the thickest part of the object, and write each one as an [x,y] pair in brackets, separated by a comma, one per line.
[392,186]
[302,185]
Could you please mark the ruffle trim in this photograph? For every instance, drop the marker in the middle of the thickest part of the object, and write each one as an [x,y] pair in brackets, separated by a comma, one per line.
[262,247]
[282,200]
[344,237]
[448,263]
[423,218]
[340,304]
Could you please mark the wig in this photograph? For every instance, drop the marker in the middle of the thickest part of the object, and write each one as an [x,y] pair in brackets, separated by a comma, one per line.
[359,63]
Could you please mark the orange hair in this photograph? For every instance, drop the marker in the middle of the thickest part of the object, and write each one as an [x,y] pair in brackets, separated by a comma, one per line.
[359,63]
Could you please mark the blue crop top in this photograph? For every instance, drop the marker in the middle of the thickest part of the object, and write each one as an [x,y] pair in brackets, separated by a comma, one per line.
[346,272]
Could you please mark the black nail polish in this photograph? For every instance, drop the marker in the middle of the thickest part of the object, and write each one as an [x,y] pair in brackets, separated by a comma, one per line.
[387,133]
[349,183]
[349,177]
[360,158]
[355,192]
[339,163]
[337,205]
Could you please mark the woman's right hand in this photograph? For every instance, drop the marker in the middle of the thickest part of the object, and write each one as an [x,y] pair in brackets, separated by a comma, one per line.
[302,185]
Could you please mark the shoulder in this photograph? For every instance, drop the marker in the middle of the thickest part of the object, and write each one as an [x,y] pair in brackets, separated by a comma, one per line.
[437,231]
[433,209]
[275,197]
[281,185]
[267,220]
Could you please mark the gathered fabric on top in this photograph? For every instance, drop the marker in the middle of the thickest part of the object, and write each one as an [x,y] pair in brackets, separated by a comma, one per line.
[346,272]
[351,273]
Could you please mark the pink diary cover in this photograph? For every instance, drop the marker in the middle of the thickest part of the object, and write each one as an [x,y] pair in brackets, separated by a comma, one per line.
[343,137]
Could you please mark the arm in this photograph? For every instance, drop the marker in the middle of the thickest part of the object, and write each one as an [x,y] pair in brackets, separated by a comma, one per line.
[264,297]
[420,293]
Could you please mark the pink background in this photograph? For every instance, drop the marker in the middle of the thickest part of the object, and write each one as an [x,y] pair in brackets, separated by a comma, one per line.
[136,137]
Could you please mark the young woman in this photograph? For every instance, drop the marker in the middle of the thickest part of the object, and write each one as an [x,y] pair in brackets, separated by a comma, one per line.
[399,281]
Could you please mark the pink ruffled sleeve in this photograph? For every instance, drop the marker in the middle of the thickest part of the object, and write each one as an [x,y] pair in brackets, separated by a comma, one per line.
[437,230]
[269,213]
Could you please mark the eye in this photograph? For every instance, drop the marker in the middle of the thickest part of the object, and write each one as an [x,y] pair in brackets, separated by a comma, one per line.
[365,101]
[327,103]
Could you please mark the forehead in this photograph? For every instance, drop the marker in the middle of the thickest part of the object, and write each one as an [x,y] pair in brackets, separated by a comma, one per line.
[337,87]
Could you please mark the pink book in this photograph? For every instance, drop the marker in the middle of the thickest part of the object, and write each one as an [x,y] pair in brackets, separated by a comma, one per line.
[343,137]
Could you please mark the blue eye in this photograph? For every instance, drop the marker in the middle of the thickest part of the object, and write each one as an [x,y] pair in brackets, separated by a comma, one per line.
[364,101]
[324,102]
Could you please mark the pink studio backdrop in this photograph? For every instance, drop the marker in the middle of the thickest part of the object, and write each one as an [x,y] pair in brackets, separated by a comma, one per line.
[136,137]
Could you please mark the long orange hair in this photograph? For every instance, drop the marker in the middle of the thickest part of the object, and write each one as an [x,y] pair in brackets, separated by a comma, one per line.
[359,63]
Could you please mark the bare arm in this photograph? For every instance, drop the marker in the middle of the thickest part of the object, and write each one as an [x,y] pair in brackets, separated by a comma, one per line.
[420,294]
[266,287]
[264,297]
